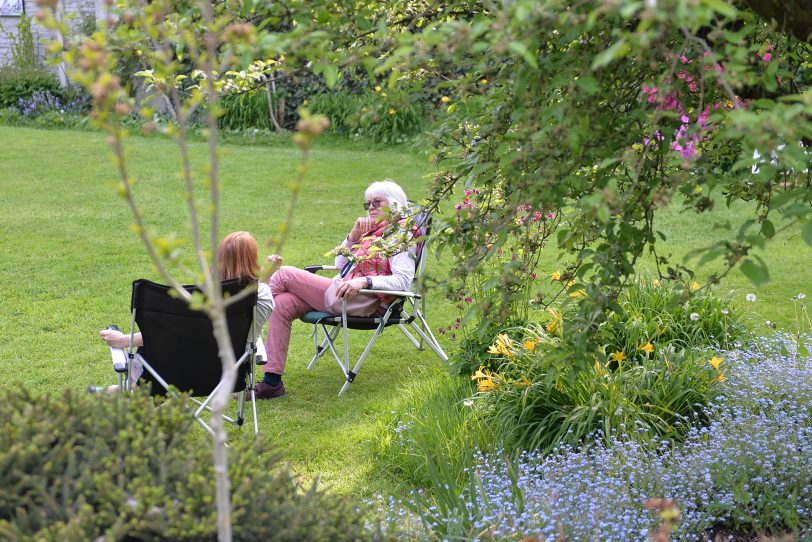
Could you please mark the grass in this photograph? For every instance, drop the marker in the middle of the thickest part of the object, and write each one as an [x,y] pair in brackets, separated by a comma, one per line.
[69,259]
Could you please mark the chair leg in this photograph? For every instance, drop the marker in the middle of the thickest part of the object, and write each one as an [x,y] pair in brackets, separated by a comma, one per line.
[329,337]
[429,337]
[418,345]
[351,374]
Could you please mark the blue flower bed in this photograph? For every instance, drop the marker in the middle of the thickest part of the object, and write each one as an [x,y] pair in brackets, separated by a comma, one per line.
[749,470]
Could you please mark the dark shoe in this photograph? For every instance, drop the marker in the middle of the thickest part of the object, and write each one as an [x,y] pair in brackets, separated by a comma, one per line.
[267,391]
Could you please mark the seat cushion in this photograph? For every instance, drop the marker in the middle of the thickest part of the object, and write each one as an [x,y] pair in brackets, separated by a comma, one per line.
[313,317]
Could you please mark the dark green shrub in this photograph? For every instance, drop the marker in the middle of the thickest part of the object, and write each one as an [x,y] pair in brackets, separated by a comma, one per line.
[82,467]
[16,83]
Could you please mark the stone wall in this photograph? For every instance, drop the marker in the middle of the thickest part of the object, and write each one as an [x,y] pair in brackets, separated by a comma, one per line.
[81,12]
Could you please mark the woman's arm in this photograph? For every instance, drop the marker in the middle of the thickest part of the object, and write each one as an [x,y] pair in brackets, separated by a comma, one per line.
[403,266]
[117,339]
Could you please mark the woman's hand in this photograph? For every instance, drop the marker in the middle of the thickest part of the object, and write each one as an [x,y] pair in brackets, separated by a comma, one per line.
[115,338]
[275,262]
[349,288]
[361,226]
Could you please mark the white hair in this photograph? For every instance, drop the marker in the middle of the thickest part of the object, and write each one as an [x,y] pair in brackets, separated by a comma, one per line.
[390,190]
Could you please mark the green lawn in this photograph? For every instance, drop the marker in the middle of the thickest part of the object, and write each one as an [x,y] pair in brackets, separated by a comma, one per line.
[68,260]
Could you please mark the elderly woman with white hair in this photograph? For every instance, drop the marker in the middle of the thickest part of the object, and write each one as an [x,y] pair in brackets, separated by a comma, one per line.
[296,291]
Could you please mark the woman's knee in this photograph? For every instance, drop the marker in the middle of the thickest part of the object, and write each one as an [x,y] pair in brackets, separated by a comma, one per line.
[282,276]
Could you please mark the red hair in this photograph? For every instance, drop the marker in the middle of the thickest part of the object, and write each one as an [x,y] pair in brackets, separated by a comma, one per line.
[238,255]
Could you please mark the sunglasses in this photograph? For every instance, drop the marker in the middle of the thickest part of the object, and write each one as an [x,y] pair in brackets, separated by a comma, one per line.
[376,204]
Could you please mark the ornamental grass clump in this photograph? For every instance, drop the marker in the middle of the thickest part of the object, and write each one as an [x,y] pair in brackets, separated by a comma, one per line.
[745,473]
[650,314]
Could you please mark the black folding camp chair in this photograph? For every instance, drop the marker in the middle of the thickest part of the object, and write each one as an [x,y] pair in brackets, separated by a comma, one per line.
[180,351]
[406,312]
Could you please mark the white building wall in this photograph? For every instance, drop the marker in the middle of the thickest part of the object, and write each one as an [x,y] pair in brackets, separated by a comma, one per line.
[76,11]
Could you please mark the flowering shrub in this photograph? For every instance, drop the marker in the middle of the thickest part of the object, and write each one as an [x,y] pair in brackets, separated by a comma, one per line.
[537,402]
[747,471]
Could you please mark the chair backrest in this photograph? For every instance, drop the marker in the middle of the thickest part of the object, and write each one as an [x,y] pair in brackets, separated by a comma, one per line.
[179,342]
[423,222]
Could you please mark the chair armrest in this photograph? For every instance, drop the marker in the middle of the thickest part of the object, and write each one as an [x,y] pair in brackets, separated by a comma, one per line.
[393,293]
[317,268]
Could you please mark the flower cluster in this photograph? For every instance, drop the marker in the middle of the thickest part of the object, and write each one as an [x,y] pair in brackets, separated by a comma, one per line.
[42,102]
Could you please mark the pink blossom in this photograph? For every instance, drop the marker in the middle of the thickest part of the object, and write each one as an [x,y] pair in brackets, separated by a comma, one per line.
[767,57]
[468,193]
[685,119]
[536,216]
[458,207]
[684,59]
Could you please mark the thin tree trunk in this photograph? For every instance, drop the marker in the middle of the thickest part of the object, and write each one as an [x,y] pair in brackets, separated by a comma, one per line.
[219,404]
[271,111]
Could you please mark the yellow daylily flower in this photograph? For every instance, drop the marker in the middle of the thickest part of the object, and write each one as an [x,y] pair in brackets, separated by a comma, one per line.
[694,286]
[715,362]
[483,81]
[600,369]
[721,377]
[655,283]
[647,348]
[392,111]
[571,283]
[501,346]
[531,344]
[486,385]
[377,88]
[552,327]
[555,275]
[617,356]
[523,382]
[578,293]
[445,99]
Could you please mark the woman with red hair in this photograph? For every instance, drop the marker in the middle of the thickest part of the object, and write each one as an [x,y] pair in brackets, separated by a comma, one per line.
[239,259]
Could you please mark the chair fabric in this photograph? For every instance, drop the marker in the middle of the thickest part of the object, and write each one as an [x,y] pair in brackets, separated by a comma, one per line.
[179,341]
[406,312]
[180,350]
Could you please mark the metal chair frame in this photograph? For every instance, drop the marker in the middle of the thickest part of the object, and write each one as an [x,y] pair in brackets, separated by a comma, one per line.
[407,311]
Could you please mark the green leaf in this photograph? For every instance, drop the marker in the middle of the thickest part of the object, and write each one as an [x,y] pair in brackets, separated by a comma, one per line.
[618,50]
[767,229]
[330,75]
[588,84]
[721,7]
[521,49]
[756,272]
[806,232]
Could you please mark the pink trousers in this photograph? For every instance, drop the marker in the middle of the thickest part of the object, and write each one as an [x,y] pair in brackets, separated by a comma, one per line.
[295,292]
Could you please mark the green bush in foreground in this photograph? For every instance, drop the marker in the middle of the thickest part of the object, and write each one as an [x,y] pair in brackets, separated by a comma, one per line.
[82,467]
